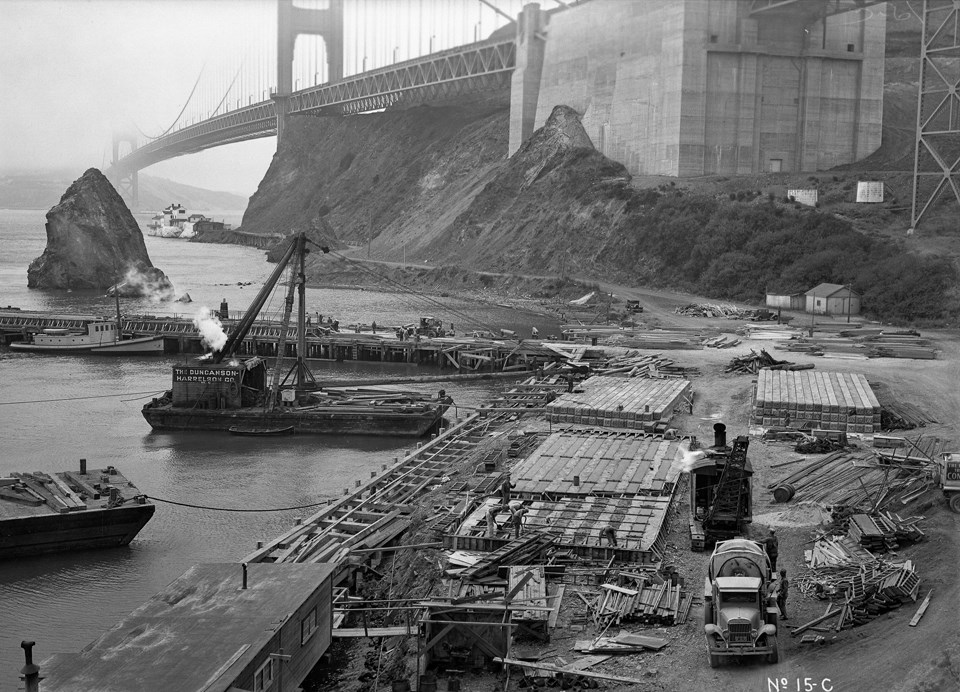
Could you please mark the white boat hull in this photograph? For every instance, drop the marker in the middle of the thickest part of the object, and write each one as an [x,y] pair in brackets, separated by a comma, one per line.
[145,345]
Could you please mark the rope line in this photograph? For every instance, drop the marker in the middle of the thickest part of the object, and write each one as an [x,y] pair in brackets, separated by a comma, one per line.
[234,509]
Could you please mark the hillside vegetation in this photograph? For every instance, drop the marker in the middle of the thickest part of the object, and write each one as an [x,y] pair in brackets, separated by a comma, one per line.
[434,186]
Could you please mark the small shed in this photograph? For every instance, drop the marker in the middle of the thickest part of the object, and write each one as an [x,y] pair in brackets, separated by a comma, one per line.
[213,629]
[786,301]
[832,299]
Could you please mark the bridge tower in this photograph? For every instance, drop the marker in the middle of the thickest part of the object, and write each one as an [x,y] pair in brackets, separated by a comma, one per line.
[293,21]
[126,182]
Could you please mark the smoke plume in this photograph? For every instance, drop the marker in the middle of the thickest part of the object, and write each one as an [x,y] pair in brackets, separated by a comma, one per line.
[150,283]
[211,331]
[690,457]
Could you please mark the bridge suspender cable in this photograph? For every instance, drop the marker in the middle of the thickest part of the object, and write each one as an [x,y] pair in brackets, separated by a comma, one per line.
[177,119]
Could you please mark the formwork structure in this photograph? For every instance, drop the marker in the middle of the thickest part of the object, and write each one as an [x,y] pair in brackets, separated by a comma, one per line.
[621,402]
[599,462]
[811,398]
[580,484]
[576,526]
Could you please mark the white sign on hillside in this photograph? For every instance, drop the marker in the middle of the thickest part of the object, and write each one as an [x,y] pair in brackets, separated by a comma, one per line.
[808,197]
[869,191]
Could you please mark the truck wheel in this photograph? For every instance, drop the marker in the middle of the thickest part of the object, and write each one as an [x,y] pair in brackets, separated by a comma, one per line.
[954,502]
[714,660]
[774,655]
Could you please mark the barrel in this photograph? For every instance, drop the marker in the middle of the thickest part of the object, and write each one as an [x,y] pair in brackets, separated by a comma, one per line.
[428,683]
[453,685]
[401,686]
[783,492]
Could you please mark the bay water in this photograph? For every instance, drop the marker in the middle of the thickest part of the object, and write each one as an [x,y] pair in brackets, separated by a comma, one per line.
[57,409]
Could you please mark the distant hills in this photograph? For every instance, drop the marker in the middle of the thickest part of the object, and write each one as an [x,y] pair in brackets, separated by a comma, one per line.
[43,189]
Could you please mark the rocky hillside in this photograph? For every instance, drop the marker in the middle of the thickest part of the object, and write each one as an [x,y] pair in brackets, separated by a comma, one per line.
[434,185]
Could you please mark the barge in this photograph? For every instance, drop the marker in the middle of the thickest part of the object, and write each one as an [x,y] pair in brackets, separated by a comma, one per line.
[226,391]
[46,513]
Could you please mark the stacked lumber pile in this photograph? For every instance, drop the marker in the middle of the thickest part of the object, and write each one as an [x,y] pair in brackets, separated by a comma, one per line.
[753,363]
[652,366]
[896,414]
[827,400]
[869,345]
[660,339]
[722,342]
[850,479]
[768,332]
[656,604]
[837,551]
[921,450]
[523,551]
[865,591]
[882,531]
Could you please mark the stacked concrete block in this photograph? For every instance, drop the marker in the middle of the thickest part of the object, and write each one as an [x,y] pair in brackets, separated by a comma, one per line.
[810,398]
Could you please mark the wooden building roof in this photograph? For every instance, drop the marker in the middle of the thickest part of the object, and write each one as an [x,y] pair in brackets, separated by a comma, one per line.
[606,462]
[199,633]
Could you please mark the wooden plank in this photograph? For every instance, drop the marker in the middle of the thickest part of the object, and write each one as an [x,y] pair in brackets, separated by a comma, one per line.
[568,670]
[921,610]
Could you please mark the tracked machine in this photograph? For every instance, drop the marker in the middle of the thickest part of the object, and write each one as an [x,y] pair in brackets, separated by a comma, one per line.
[720,493]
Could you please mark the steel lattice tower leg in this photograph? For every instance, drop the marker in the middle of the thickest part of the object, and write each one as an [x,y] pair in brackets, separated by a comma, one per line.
[936,166]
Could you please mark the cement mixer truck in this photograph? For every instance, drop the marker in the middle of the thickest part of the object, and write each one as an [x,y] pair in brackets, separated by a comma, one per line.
[739,613]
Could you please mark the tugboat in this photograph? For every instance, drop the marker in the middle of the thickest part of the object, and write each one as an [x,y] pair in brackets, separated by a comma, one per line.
[232,394]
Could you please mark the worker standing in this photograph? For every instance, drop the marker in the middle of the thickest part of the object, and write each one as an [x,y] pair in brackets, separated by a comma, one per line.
[505,488]
[771,545]
[783,588]
[373,326]
[534,333]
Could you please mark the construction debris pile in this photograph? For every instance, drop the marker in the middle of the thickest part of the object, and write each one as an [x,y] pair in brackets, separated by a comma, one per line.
[722,342]
[645,598]
[731,312]
[652,366]
[853,479]
[863,592]
[753,363]
[675,338]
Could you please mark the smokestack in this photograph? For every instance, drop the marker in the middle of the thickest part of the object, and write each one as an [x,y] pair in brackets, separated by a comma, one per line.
[30,674]
[83,466]
[244,575]
[719,435]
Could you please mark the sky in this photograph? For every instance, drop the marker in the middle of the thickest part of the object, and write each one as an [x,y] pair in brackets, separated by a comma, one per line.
[74,71]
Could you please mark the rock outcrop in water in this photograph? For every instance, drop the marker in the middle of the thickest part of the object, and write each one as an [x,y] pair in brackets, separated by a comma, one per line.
[93,242]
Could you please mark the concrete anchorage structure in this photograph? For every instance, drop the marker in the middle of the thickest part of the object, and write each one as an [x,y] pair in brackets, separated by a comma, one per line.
[700,87]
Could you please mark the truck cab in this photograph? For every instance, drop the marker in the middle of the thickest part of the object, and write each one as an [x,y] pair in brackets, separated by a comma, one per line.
[950,479]
[740,617]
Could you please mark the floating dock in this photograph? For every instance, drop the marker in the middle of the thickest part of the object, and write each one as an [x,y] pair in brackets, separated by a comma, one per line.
[71,510]
[825,400]
[621,402]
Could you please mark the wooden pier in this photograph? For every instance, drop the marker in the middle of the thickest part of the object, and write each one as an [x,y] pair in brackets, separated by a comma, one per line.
[180,335]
